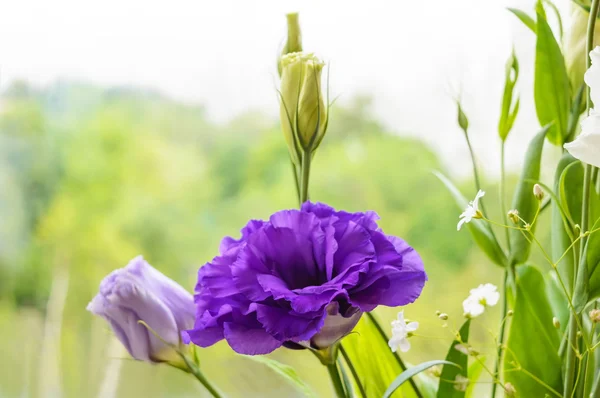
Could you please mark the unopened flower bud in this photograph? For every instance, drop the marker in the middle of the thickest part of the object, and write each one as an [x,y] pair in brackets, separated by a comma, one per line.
[137,293]
[510,313]
[435,371]
[513,215]
[556,322]
[463,121]
[575,40]
[303,111]
[437,312]
[461,383]
[462,349]
[510,390]
[443,316]
[538,192]
[595,316]
[294,38]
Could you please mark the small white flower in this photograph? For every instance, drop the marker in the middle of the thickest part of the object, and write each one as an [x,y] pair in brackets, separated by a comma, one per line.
[483,296]
[586,147]
[472,211]
[461,383]
[400,333]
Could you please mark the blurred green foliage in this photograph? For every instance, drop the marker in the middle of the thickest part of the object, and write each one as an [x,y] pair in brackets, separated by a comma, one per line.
[92,177]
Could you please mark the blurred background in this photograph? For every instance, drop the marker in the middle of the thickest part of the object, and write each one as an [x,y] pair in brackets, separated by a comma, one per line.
[152,128]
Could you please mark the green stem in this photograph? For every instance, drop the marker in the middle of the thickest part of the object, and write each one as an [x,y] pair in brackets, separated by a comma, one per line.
[296,181]
[336,380]
[305,174]
[475,171]
[503,192]
[571,368]
[477,180]
[195,370]
[385,338]
[355,375]
[501,335]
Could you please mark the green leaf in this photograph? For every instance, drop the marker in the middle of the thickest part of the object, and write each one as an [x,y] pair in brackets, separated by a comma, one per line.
[480,230]
[475,371]
[551,88]
[526,19]
[509,112]
[461,361]
[408,373]
[373,360]
[561,228]
[571,190]
[533,342]
[557,299]
[287,372]
[524,200]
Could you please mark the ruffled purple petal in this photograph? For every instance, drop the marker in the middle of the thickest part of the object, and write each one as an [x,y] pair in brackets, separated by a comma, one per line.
[301,276]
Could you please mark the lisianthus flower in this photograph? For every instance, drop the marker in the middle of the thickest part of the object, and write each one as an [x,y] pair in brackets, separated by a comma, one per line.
[139,292]
[586,147]
[401,330]
[302,278]
[481,297]
[472,211]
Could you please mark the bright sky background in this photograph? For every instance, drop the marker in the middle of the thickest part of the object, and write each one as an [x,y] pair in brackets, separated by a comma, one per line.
[413,56]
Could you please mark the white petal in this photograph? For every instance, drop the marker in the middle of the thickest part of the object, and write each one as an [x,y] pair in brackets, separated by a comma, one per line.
[479,195]
[412,326]
[404,345]
[401,317]
[592,76]
[586,147]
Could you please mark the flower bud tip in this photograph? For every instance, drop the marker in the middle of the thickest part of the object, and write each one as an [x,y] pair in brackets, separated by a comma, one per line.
[538,192]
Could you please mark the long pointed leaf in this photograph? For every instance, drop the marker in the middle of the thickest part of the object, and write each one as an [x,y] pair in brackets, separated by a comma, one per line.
[408,373]
[552,90]
[524,200]
[373,360]
[287,372]
[523,17]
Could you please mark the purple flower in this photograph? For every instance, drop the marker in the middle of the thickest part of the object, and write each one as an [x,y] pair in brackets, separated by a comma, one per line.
[303,277]
[140,292]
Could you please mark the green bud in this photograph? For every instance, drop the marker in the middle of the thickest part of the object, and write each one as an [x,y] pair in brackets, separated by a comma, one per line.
[513,215]
[575,57]
[510,108]
[463,121]
[294,38]
[303,111]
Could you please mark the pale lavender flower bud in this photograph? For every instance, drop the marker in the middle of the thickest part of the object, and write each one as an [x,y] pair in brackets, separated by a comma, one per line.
[538,192]
[556,323]
[595,315]
[139,292]
[510,390]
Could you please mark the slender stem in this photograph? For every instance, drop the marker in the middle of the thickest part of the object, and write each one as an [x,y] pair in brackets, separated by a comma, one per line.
[399,360]
[475,171]
[503,191]
[305,176]
[361,388]
[336,380]
[501,335]
[296,181]
[195,370]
